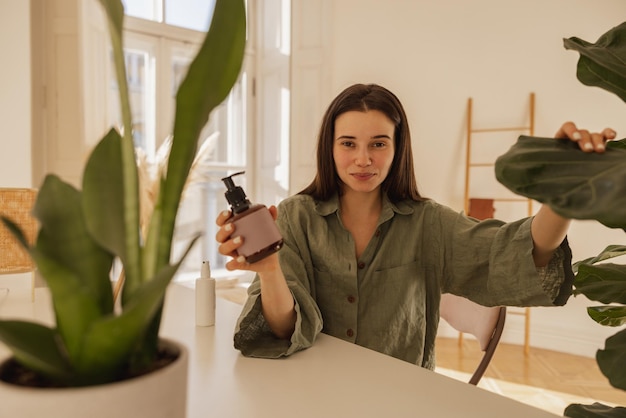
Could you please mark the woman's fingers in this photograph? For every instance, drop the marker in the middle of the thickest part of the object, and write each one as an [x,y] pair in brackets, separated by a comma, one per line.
[587,141]
[229,242]
[568,130]
[222,217]
[609,134]
[597,141]
[226,229]
[273,211]
[229,246]
[237,263]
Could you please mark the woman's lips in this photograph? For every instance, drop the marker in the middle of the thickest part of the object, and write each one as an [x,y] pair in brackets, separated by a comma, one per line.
[362,176]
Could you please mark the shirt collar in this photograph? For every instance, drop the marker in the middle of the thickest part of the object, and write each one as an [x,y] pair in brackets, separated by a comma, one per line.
[403,207]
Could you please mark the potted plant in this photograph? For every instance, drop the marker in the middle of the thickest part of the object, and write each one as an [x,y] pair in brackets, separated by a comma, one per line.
[582,185]
[83,231]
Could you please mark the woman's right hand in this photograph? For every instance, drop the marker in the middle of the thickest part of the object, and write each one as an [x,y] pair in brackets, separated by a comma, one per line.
[230,241]
[277,303]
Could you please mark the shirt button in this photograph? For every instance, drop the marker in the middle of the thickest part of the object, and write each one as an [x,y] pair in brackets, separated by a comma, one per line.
[361,265]
[350,333]
[351,299]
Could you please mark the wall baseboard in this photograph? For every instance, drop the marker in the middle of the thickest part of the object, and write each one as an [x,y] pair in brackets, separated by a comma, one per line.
[549,336]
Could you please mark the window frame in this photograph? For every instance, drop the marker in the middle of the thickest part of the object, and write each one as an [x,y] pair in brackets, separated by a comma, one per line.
[168,38]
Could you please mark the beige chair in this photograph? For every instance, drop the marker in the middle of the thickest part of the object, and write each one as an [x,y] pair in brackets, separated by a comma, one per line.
[484,323]
[17,205]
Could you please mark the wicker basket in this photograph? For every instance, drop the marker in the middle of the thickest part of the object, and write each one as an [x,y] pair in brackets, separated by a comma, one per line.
[17,204]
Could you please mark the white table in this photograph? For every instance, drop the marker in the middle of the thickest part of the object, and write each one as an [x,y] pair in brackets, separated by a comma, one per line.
[331,379]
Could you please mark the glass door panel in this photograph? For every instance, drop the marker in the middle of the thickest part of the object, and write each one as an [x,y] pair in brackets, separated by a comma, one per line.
[144,9]
[140,74]
[189,14]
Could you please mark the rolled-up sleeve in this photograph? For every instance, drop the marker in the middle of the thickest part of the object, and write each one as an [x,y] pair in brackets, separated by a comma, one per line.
[491,263]
[253,336]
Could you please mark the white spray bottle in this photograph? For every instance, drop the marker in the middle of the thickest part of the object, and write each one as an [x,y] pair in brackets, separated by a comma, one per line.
[205,297]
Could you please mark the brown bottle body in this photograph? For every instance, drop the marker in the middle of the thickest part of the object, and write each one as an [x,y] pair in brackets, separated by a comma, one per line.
[260,234]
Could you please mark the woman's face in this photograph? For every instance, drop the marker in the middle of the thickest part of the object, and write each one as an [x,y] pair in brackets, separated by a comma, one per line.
[363,150]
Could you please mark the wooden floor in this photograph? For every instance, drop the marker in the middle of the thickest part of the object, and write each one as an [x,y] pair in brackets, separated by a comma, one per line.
[525,378]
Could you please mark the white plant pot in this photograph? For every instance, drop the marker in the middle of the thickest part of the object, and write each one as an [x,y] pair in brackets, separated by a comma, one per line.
[160,394]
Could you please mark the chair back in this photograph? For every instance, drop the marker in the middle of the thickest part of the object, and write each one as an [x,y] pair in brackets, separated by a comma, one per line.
[484,323]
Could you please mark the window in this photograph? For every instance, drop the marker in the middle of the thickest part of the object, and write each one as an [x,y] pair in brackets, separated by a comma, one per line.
[161,39]
[190,14]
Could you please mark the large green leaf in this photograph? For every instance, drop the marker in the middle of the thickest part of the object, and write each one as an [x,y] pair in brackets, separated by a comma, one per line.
[610,316]
[604,283]
[16,232]
[75,268]
[584,182]
[609,252]
[103,195]
[573,183]
[127,160]
[612,360]
[121,335]
[209,79]
[36,347]
[603,64]
[118,335]
[82,231]
[596,410]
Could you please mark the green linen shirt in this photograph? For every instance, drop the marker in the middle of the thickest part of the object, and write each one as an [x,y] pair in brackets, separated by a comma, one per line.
[388,299]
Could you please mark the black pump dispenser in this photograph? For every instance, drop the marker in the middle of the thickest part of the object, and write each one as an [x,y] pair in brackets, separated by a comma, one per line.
[235,195]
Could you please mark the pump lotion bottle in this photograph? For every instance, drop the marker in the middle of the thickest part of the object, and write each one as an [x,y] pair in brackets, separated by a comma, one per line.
[253,222]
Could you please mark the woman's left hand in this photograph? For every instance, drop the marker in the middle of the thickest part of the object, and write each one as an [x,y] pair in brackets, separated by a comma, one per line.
[587,141]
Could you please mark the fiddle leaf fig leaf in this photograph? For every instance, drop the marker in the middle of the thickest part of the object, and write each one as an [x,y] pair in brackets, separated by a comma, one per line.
[602,64]
[618,144]
[612,360]
[611,316]
[604,283]
[586,186]
[609,252]
[595,410]
[575,184]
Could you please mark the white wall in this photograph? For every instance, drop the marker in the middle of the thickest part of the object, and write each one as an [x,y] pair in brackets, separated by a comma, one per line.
[15,96]
[434,55]
[15,105]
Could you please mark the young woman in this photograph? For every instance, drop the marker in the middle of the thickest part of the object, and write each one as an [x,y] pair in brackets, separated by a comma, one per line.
[366,257]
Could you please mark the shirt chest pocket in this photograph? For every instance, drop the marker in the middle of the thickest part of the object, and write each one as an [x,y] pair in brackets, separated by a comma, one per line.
[398,293]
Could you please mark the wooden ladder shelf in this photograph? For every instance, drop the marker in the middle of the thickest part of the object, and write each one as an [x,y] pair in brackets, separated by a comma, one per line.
[470,164]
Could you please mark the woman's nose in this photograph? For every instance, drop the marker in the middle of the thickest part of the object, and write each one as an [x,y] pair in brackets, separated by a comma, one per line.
[363,159]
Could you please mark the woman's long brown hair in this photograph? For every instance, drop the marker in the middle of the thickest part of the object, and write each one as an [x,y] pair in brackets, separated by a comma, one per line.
[400,183]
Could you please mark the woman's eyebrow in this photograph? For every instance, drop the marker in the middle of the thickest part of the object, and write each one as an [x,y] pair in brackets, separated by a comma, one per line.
[381,136]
